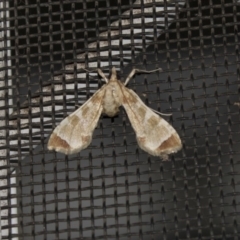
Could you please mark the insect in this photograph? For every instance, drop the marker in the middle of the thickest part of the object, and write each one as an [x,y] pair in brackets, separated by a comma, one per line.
[154,134]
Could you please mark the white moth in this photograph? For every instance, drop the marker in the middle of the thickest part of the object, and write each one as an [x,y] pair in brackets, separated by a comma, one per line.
[154,134]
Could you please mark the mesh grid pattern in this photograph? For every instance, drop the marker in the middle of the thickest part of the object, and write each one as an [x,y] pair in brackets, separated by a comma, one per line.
[114,190]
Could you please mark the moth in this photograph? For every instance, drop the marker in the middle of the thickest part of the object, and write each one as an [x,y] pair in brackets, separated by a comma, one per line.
[154,135]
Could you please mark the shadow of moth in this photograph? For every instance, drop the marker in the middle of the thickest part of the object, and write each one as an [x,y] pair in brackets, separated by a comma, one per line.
[154,134]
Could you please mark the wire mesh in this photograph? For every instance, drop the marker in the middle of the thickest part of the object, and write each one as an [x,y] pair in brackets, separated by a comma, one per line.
[112,189]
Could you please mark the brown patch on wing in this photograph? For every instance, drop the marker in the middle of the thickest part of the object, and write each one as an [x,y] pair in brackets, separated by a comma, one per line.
[56,142]
[141,140]
[96,98]
[73,120]
[85,110]
[170,143]
[86,139]
[153,120]
[129,98]
[142,112]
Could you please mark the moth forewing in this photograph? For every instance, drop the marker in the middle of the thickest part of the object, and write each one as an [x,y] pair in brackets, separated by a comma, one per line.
[154,134]
[74,133]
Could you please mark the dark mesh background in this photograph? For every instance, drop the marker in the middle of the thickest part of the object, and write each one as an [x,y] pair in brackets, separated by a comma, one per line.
[114,190]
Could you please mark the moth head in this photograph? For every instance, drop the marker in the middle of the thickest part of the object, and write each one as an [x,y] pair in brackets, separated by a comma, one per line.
[113,74]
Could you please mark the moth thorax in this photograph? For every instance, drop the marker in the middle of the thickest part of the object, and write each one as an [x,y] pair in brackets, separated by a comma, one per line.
[112,100]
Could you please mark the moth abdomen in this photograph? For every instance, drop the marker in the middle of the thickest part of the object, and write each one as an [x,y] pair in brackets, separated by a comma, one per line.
[111,109]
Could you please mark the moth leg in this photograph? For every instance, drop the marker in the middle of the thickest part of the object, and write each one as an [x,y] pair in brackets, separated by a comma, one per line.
[135,70]
[100,72]
[131,74]
[160,113]
[163,114]
[89,71]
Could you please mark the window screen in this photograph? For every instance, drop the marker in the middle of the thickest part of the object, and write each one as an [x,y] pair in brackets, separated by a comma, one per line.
[113,189]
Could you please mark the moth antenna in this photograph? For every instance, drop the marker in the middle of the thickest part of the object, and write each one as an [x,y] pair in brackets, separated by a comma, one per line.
[99,71]
[135,70]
